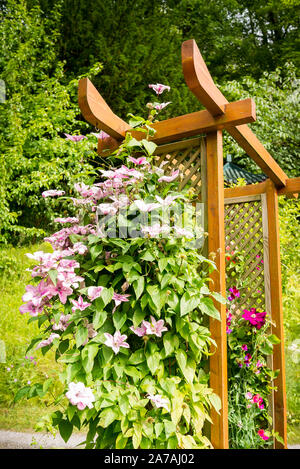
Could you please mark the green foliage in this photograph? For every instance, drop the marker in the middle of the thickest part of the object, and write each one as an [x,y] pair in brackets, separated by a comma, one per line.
[39,108]
[276,96]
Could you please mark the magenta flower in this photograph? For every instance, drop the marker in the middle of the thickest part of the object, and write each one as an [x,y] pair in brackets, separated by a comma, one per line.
[262,434]
[52,193]
[244,347]
[155,327]
[257,399]
[80,304]
[158,401]
[94,292]
[255,318]
[80,396]
[235,293]
[74,138]
[159,88]
[116,341]
[170,178]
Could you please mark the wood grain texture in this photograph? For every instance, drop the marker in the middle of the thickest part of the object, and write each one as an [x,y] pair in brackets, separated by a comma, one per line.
[280,418]
[201,84]
[216,244]
[190,125]
[96,111]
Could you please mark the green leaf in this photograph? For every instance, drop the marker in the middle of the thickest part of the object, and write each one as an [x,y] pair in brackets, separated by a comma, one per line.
[274,339]
[88,355]
[149,146]
[206,305]
[138,316]
[217,296]
[139,286]
[153,362]
[71,356]
[162,263]
[188,303]
[137,357]
[81,335]
[171,342]
[215,402]
[137,435]
[119,318]
[21,393]
[53,275]
[99,319]
[108,416]
[65,429]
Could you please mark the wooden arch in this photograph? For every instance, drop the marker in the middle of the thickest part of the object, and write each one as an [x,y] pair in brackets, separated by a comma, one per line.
[233,117]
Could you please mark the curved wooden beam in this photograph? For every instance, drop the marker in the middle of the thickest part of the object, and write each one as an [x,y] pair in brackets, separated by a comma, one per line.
[96,111]
[201,84]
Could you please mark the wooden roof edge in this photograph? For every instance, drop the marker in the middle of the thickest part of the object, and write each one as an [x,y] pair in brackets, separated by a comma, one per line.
[201,84]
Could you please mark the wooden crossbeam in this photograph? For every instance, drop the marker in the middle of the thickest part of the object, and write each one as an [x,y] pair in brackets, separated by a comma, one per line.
[202,86]
[199,122]
[292,188]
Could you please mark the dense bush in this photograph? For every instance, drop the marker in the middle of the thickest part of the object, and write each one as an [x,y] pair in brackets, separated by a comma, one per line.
[39,107]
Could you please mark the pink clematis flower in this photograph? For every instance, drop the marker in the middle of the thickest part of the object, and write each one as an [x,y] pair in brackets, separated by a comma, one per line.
[159,88]
[63,323]
[52,193]
[36,294]
[80,304]
[172,177]
[94,292]
[119,298]
[107,209]
[62,290]
[158,401]
[101,135]
[32,309]
[255,318]
[140,331]
[116,341]
[183,232]
[262,434]
[66,220]
[143,207]
[155,230]
[155,327]
[139,161]
[160,106]
[167,201]
[48,341]
[74,138]
[80,396]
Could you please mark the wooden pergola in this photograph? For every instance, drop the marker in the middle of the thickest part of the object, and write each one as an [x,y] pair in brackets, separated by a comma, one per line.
[205,155]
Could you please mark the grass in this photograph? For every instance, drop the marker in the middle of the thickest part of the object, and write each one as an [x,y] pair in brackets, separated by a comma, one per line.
[15,370]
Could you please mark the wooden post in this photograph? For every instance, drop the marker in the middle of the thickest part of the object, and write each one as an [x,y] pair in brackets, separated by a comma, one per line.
[216,244]
[280,422]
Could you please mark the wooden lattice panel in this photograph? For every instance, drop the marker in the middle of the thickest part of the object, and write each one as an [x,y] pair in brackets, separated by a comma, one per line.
[185,156]
[245,238]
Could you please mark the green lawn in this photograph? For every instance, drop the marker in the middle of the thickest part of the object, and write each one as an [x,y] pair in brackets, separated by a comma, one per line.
[17,334]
